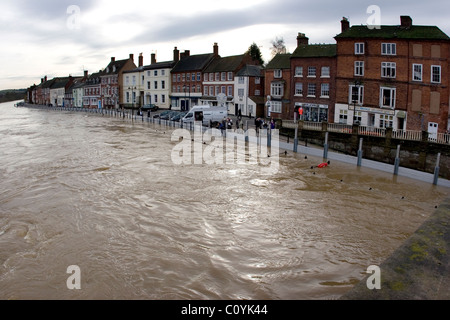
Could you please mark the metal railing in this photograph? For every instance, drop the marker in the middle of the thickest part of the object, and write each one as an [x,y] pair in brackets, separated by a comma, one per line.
[440,138]
[407,135]
[371,131]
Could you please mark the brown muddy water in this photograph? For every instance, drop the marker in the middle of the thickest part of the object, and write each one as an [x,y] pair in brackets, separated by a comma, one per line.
[103,194]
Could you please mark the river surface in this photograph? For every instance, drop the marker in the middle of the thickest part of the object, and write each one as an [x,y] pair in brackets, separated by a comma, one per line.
[104,194]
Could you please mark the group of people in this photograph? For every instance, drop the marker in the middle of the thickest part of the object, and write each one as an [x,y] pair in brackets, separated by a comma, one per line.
[262,124]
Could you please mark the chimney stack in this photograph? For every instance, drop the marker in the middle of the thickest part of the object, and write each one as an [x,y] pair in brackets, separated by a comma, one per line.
[113,59]
[132,57]
[141,60]
[216,49]
[345,24]
[153,60]
[176,55]
[302,40]
[45,79]
[406,22]
[86,74]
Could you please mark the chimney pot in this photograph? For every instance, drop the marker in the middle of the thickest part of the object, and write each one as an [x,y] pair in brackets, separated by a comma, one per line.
[176,55]
[345,24]
[406,21]
[302,39]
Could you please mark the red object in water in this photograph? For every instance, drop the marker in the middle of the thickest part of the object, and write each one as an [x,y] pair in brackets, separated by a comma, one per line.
[322,165]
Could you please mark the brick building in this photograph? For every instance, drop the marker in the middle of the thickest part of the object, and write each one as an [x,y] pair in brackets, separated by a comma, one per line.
[313,70]
[278,88]
[111,82]
[187,77]
[393,76]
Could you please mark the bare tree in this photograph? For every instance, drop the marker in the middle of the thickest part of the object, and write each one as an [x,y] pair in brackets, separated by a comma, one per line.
[278,46]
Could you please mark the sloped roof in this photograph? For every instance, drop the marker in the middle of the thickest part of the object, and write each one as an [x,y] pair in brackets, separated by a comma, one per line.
[109,70]
[280,61]
[250,71]
[395,32]
[193,63]
[160,65]
[315,51]
[225,64]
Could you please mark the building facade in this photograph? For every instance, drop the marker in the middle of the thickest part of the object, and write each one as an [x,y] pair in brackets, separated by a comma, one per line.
[249,90]
[112,90]
[187,78]
[313,70]
[393,76]
[278,88]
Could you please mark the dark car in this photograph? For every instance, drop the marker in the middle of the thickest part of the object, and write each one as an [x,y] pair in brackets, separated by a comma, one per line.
[178,116]
[168,115]
[150,107]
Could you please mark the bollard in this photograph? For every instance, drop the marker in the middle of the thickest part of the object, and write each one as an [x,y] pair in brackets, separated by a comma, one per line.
[397,161]
[436,170]
[296,134]
[269,138]
[325,147]
[360,152]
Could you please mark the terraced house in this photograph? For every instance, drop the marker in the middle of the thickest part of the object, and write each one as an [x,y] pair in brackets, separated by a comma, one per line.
[313,69]
[219,79]
[187,78]
[278,88]
[393,76]
[111,89]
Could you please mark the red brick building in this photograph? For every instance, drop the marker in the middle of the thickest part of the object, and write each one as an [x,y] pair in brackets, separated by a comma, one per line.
[112,91]
[278,88]
[393,76]
[313,70]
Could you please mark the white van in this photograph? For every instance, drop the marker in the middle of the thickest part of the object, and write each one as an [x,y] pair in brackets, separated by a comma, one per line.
[206,113]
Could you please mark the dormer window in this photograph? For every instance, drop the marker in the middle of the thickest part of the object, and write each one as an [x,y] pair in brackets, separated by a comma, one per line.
[114,68]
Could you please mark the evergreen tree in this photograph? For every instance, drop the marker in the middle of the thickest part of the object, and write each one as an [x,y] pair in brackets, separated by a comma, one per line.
[255,53]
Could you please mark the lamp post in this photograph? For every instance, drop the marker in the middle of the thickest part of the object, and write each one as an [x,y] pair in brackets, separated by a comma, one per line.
[269,105]
[133,99]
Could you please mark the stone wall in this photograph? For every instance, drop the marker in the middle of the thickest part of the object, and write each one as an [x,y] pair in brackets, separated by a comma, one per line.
[417,155]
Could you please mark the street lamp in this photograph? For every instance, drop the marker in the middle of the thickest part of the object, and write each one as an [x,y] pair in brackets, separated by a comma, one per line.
[269,105]
[133,99]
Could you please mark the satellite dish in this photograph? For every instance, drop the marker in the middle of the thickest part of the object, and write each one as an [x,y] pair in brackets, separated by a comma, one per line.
[221,100]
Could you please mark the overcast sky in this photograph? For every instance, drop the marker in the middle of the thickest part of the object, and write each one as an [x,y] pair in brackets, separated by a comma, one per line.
[62,37]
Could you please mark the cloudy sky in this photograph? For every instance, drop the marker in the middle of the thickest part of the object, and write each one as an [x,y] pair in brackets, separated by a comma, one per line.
[62,37]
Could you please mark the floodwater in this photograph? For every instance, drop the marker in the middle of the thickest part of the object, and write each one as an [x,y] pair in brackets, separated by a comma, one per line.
[103,194]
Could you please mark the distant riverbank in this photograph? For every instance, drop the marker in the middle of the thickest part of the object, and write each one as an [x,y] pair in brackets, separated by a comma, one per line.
[12,95]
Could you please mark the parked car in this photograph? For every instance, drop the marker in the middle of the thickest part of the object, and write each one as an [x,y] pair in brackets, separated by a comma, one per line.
[178,116]
[150,107]
[162,114]
[169,115]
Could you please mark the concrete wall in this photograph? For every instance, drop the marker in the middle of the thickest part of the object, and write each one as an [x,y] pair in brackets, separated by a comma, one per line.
[419,269]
